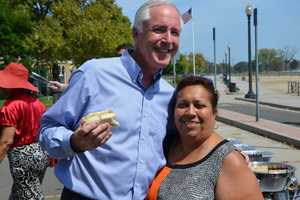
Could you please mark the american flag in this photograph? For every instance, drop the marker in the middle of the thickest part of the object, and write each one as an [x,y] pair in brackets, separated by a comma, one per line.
[187,16]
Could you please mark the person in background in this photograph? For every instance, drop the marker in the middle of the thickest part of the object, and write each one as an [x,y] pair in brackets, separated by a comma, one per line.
[57,86]
[60,87]
[200,163]
[122,48]
[97,161]
[19,123]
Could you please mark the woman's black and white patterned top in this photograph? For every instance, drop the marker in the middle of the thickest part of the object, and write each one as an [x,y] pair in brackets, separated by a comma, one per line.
[197,180]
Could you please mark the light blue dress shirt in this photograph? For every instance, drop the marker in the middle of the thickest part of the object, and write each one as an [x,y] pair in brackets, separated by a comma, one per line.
[123,168]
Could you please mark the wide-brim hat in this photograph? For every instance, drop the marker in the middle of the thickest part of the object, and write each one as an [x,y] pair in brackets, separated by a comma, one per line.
[15,76]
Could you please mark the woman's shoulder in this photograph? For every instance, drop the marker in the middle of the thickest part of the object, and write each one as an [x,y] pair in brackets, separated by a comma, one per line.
[234,160]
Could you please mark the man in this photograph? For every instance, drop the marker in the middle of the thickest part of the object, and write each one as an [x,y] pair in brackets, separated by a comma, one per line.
[96,160]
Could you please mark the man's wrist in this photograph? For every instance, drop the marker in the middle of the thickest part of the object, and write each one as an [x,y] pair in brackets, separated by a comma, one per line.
[74,147]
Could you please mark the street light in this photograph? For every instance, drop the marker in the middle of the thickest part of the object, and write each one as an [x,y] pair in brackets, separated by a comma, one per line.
[250,93]
[215,66]
[226,70]
[229,64]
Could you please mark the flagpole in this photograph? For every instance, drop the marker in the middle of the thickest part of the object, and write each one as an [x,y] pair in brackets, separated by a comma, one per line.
[187,16]
[194,64]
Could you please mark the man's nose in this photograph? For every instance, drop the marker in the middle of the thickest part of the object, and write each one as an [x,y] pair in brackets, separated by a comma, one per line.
[168,37]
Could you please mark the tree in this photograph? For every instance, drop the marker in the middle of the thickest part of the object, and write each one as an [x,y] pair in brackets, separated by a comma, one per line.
[77,31]
[200,63]
[267,59]
[294,64]
[15,25]
[183,65]
[39,9]
[241,67]
[287,54]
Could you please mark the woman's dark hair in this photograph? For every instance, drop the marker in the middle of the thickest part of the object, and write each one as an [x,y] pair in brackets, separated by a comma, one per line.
[172,132]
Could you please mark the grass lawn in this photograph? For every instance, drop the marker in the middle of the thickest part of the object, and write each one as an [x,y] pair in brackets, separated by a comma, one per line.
[47,100]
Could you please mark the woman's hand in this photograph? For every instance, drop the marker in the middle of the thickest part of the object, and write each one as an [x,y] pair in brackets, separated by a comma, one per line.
[6,139]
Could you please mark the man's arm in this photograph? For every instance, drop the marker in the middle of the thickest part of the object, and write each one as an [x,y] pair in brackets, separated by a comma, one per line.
[66,143]
[62,118]
[62,134]
[6,139]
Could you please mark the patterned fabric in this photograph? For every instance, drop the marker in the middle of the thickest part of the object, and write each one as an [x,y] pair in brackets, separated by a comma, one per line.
[27,166]
[194,181]
[23,112]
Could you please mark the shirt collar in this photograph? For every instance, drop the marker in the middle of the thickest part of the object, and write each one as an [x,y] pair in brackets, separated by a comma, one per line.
[134,70]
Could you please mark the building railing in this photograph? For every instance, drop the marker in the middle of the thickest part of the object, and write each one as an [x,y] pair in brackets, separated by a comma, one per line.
[294,87]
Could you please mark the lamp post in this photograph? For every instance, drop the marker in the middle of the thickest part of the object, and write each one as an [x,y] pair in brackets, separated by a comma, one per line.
[250,93]
[229,65]
[226,70]
[215,66]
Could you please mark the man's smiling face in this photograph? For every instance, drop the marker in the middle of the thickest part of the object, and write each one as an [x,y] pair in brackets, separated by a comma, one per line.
[158,42]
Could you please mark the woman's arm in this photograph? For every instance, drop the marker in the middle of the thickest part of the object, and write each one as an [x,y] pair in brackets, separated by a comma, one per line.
[6,139]
[236,180]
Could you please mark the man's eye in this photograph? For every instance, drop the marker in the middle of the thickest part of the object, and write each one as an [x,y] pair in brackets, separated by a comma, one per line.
[158,30]
[175,33]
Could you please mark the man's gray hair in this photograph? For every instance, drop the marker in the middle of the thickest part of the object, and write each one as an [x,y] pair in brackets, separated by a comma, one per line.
[143,13]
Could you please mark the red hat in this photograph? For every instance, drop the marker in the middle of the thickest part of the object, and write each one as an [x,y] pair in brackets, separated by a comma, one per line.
[15,76]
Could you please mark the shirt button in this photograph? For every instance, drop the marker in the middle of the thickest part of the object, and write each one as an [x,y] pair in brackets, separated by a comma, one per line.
[141,161]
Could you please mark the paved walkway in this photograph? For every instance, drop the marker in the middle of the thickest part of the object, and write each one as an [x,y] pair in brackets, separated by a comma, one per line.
[287,147]
[267,128]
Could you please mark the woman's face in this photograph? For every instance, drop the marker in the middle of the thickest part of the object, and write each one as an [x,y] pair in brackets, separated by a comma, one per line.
[194,116]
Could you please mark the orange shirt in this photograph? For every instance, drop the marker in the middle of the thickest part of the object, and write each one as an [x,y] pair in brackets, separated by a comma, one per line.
[23,112]
[159,178]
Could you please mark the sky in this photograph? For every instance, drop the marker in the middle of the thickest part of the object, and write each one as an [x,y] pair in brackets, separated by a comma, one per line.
[278,26]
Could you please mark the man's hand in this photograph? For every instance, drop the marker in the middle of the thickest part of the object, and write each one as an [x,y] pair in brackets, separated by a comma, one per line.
[90,135]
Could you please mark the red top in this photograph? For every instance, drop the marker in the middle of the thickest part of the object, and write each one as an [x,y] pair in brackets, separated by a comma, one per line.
[23,112]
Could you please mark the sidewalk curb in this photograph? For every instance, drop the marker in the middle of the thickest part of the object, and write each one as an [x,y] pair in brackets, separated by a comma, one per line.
[269,104]
[264,127]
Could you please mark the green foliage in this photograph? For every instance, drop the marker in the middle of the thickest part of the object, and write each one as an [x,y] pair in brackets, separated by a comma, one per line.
[15,25]
[184,65]
[270,59]
[78,31]
[241,67]
[47,100]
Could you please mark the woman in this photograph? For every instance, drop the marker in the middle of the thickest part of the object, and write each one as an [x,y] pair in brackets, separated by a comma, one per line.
[200,163]
[19,124]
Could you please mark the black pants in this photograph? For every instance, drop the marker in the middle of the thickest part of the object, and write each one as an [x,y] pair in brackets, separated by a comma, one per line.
[70,195]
